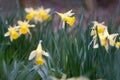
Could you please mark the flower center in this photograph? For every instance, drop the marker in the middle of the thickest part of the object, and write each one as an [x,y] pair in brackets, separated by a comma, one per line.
[43,14]
[30,16]
[14,34]
[39,60]
[24,29]
[70,20]
[100,30]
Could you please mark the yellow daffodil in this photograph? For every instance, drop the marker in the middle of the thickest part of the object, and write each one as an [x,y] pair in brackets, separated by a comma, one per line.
[38,54]
[42,14]
[106,40]
[117,44]
[31,13]
[67,17]
[12,32]
[101,29]
[24,27]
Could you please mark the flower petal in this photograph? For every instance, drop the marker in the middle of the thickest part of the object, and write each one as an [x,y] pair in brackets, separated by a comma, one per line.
[32,55]
[7,34]
[44,53]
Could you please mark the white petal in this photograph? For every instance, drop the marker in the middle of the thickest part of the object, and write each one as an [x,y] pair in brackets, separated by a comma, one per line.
[31,25]
[95,46]
[11,38]
[32,55]
[7,34]
[44,53]
[29,32]
[28,10]
[48,10]
[20,22]
[69,13]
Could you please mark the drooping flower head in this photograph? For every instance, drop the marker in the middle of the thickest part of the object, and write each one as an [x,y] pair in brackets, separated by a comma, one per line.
[105,38]
[24,27]
[37,54]
[67,17]
[31,13]
[12,32]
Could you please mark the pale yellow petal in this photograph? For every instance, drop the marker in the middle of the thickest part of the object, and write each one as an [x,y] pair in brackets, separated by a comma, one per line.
[48,10]
[31,25]
[112,39]
[20,22]
[62,16]
[11,39]
[44,53]
[39,47]
[69,13]
[32,55]
[28,10]
[7,34]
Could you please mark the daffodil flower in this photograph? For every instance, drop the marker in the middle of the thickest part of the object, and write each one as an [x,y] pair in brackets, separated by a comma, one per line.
[67,17]
[24,27]
[42,14]
[106,40]
[12,32]
[37,54]
[31,13]
[101,29]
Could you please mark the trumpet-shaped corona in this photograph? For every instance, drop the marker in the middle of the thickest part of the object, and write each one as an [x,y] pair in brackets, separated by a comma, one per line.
[39,60]
[70,20]
[12,32]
